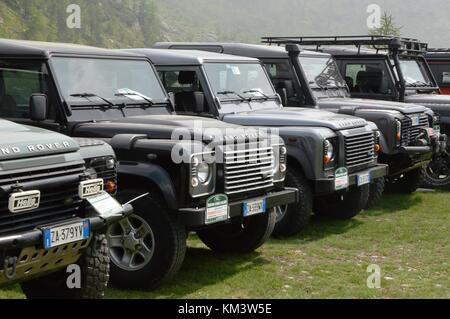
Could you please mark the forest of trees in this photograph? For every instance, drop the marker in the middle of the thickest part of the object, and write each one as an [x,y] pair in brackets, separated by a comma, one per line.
[135,23]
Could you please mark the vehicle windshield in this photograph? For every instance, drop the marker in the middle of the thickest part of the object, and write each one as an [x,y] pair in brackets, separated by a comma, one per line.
[107,81]
[414,73]
[322,72]
[239,80]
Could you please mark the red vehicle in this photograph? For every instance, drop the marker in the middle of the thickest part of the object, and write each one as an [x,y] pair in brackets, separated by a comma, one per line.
[439,61]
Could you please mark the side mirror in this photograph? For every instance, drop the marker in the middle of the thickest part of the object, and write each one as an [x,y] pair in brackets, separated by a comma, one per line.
[282,93]
[38,107]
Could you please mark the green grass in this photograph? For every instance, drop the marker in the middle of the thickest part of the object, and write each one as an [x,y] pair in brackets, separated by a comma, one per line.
[407,236]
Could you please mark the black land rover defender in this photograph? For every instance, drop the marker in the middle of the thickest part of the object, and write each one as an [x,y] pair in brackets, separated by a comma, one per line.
[172,161]
[331,157]
[392,69]
[46,222]
[311,79]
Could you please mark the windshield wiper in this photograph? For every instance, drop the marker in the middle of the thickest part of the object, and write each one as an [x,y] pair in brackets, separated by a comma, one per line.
[419,84]
[89,95]
[266,97]
[234,93]
[148,100]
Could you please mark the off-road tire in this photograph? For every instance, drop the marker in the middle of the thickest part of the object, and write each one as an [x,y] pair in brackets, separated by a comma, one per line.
[242,236]
[408,183]
[298,215]
[95,266]
[169,248]
[342,206]
[430,179]
[376,190]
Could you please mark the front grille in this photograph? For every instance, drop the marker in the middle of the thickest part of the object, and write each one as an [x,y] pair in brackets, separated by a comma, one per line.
[359,149]
[409,132]
[57,203]
[248,169]
[99,164]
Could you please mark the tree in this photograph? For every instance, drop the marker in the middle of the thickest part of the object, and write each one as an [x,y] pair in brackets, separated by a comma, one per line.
[387,26]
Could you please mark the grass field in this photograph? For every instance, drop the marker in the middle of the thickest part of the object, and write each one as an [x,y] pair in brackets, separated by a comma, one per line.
[407,236]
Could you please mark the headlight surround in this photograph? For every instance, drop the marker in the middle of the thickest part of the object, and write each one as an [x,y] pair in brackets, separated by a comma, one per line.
[328,150]
[279,163]
[398,133]
[202,176]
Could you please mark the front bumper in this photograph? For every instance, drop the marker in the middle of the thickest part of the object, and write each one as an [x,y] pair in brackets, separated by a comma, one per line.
[196,217]
[34,237]
[25,258]
[328,186]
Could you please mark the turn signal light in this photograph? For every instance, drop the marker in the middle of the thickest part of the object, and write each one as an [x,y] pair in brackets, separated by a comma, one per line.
[110,187]
[326,159]
[377,148]
[399,137]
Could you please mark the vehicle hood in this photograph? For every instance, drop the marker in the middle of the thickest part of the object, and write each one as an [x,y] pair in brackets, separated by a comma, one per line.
[295,116]
[404,108]
[20,141]
[436,102]
[159,127]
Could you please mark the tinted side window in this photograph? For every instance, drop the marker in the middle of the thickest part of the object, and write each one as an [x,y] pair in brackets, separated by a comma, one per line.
[368,78]
[281,77]
[17,84]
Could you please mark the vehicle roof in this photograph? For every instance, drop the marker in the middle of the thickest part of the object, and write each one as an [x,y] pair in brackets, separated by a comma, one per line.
[438,54]
[36,49]
[188,57]
[239,49]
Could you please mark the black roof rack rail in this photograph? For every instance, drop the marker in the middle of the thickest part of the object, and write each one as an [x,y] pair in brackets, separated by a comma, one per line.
[378,42]
[437,50]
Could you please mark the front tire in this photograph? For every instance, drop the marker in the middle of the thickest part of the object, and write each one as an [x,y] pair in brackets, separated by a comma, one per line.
[342,206]
[148,247]
[437,173]
[376,190]
[407,183]
[293,218]
[94,265]
[242,236]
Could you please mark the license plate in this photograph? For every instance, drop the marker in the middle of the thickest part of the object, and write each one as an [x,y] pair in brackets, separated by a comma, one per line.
[363,179]
[24,201]
[341,180]
[90,187]
[415,120]
[217,209]
[66,234]
[254,208]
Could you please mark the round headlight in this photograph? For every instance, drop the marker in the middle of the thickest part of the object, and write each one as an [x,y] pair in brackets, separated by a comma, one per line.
[110,163]
[92,173]
[203,172]
[329,150]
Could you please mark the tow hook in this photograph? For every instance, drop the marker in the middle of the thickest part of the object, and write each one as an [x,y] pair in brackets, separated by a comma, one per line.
[10,265]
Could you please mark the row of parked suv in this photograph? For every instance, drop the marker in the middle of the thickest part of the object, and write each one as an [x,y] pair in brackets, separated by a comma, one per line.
[235,142]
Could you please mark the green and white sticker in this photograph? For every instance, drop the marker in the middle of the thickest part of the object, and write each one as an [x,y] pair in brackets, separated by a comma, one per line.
[217,209]
[341,180]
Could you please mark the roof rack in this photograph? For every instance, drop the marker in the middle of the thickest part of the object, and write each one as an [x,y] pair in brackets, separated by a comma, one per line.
[378,42]
[438,50]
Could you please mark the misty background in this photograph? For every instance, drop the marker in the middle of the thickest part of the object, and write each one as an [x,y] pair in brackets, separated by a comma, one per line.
[139,23]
